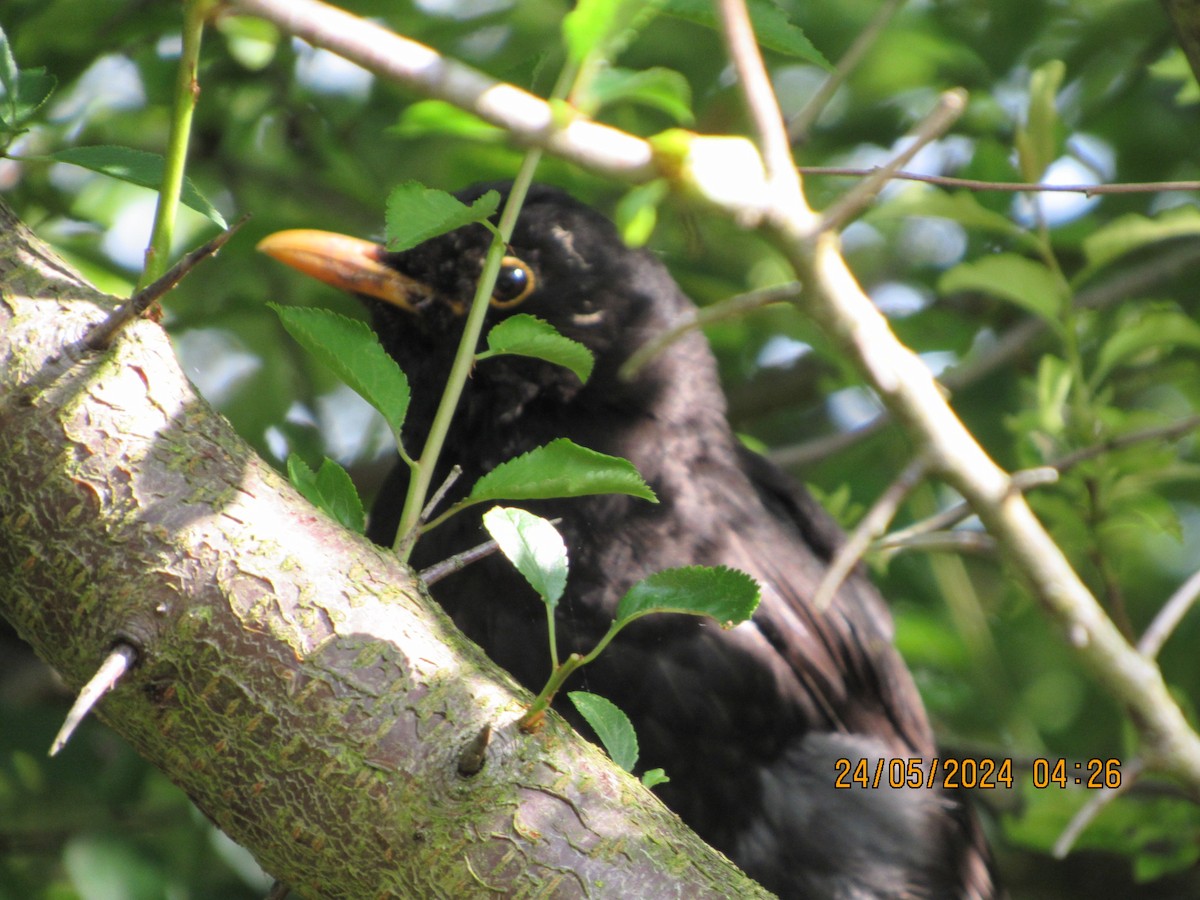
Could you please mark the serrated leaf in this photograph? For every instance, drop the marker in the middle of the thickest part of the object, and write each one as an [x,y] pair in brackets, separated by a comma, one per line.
[416,213]
[534,546]
[1159,329]
[611,725]
[605,27]
[1024,282]
[352,352]
[1130,232]
[771,27]
[330,489]
[561,468]
[727,595]
[526,335]
[659,88]
[441,118]
[962,207]
[136,167]
[33,88]
[8,65]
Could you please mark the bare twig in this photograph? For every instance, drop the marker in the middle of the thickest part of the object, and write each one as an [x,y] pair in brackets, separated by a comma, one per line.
[101,335]
[529,119]
[952,515]
[1169,617]
[1096,802]
[1008,187]
[949,107]
[873,524]
[435,573]
[773,141]
[729,308]
[120,660]
[803,120]
[1010,346]
[977,543]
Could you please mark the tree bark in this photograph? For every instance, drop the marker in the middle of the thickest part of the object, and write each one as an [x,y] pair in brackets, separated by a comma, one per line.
[292,678]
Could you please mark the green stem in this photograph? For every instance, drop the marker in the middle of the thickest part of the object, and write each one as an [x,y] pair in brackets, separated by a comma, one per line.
[464,359]
[187,90]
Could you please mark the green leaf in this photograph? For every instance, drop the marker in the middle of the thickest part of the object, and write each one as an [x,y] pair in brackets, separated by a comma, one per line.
[8,68]
[534,546]
[330,490]
[437,117]
[352,352]
[561,468]
[526,335]
[961,207]
[416,213]
[604,28]
[136,167]
[1054,380]
[725,594]
[33,88]
[653,777]
[637,212]
[1157,329]
[1130,232]
[662,89]
[1038,139]
[611,725]
[771,27]
[1028,284]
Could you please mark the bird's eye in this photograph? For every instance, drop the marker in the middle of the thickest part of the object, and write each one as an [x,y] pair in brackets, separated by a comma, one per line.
[514,283]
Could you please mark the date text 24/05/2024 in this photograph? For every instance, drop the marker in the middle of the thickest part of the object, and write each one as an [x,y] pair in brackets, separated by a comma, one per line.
[983,774]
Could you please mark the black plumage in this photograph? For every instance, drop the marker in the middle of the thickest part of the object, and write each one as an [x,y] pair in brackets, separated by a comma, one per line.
[748,723]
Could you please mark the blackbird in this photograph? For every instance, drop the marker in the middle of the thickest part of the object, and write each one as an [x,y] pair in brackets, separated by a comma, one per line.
[750,724]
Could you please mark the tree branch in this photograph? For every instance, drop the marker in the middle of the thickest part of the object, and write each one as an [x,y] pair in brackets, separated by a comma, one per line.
[290,677]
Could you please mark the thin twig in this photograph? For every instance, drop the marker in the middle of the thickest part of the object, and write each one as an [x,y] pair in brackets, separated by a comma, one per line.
[1088,812]
[435,573]
[1023,480]
[949,107]
[873,524]
[760,100]
[120,660]
[101,335]
[977,543]
[1169,617]
[730,308]
[1009,187]
[800,123]
[1010,346]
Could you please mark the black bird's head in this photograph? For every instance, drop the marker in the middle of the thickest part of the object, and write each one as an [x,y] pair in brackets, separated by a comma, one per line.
[565,264]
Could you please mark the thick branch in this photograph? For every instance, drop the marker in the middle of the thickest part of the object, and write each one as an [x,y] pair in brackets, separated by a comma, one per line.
[290,678]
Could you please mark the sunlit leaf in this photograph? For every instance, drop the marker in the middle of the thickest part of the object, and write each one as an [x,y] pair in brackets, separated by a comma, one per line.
[534,546]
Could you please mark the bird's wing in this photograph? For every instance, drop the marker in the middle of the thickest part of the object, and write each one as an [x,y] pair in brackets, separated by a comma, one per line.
[842,658]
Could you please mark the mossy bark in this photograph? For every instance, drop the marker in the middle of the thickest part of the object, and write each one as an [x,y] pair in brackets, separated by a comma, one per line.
[292,678]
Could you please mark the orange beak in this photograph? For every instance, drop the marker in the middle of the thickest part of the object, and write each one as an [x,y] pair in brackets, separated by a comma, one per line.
[348,263]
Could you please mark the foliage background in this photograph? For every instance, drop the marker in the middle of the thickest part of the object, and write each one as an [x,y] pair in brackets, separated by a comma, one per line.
[299,139]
